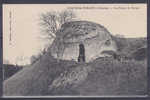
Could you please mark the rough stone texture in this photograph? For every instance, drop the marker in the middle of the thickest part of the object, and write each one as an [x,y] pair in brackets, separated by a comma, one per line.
[94,37]
[70,78]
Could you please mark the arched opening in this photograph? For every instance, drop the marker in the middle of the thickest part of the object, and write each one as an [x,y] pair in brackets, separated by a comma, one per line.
[81,57]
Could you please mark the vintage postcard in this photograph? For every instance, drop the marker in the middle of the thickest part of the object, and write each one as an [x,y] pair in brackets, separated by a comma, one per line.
[74,50]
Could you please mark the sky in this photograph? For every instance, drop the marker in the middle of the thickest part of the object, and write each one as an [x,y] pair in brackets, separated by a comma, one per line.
[129,20]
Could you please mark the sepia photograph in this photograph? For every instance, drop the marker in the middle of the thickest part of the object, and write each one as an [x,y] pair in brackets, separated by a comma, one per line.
[74,50]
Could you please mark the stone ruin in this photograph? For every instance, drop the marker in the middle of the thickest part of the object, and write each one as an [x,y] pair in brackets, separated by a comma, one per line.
[82,41]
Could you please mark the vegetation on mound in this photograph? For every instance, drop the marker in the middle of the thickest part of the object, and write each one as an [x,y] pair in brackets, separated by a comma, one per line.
[35,79]
[111,77]
[106,77]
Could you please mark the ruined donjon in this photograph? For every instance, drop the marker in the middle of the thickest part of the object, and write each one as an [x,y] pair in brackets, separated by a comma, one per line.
[82,41]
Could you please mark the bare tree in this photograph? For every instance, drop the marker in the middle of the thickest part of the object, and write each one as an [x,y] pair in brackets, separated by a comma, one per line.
[66,16]
[50,22]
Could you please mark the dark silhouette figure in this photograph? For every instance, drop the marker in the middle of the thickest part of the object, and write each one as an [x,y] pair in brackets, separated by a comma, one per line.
[81,57]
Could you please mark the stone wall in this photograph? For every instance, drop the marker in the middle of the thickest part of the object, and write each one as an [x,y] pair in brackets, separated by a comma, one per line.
[94,37]
[93,49]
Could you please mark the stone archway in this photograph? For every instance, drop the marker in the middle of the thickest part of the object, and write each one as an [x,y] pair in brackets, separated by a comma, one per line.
[81,57]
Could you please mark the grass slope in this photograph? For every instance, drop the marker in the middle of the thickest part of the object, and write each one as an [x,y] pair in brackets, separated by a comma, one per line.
[111,77]
[35,79]
[107,77]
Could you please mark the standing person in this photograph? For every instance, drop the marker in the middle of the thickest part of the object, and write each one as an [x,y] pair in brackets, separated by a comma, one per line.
[81,57]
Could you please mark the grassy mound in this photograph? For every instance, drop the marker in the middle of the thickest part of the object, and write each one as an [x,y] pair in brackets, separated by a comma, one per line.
[106,77]
[111,77]
[35,79]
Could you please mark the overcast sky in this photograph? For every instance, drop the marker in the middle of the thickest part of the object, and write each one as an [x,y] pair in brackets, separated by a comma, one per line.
[129,20]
